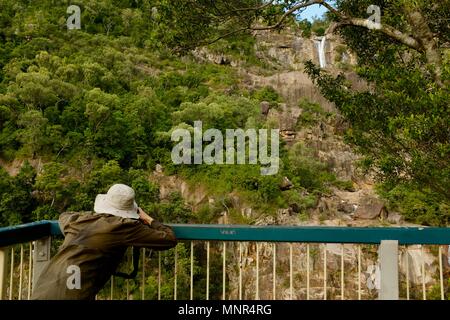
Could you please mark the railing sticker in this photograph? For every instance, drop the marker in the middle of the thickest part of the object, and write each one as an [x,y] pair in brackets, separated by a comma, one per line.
[228,232]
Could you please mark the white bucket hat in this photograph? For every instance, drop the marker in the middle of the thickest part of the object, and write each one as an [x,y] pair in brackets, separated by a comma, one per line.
[118,201]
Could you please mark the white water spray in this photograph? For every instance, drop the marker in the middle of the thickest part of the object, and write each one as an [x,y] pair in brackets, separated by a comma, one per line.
[320,45]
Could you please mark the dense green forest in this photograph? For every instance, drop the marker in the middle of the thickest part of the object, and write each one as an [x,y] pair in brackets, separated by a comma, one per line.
[97,105]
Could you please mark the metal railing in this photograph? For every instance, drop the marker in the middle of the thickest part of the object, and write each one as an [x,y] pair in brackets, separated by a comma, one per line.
[255,262]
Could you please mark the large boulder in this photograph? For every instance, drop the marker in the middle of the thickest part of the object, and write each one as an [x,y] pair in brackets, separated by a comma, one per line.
[265,107]
[346,207]
[371,208]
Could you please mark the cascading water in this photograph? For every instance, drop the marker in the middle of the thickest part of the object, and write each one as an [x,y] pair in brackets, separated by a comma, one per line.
[320,45]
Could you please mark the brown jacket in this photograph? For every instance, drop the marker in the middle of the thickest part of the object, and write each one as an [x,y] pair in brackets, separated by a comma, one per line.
[96,243]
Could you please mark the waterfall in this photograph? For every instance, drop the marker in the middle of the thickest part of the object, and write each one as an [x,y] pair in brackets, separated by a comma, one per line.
[320,45]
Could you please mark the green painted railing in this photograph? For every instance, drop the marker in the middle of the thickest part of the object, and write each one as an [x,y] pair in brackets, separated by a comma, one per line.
[39,235]
[315,234]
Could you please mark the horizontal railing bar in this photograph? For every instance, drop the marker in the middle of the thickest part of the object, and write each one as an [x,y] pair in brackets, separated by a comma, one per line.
[318,234]
[28,232]
[216,232]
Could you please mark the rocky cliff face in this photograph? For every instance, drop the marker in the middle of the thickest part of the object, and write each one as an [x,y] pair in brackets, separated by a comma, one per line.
[290,50]
[287,52]
[343,208]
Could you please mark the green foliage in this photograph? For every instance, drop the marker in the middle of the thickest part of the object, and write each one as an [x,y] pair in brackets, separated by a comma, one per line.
[306,171]
[173,209]
[345,185]
[240,47]
[219,112]
[95,106]
[16,201]
[184,25]
[305,26]
[318,27]
[420,205]
[401,123]
[267,94]
[312,114]
[261,191]
[301,203]
[434,293]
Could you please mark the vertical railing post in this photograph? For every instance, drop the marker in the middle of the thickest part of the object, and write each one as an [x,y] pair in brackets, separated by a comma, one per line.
[41,256]
[388,254]
[3,271]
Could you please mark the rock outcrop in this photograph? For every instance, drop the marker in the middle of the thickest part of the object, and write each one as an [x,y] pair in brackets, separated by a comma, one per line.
[358,206]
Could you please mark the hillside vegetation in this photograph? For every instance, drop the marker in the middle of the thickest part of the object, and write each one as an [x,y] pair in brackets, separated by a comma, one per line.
[96,106]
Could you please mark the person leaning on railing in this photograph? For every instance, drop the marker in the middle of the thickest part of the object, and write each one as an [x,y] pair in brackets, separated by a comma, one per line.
[95,243]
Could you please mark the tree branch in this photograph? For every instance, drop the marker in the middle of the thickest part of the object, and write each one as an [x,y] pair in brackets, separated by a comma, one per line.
[280,21]
[422,42]
[225,35]
[428,42]
[386,29]
[254,8]
[288,13]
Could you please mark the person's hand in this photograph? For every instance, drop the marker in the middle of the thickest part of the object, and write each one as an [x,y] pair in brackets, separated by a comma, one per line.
[146,219]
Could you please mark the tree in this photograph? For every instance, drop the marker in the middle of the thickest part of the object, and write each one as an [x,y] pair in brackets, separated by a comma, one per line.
[219,112]
[16,200]
[401,122]
[411,25]
[108,131]
[32,135]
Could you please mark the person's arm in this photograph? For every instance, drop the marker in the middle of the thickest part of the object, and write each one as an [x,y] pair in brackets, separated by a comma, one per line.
[150,233]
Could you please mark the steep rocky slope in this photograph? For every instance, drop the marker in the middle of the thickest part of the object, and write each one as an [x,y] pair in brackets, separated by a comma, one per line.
[355,206]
